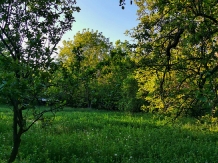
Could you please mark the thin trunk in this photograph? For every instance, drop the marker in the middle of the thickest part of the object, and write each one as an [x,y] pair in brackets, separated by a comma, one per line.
[17,132]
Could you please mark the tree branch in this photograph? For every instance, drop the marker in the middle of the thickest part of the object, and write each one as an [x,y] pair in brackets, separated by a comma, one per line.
[207,16]
[173,45]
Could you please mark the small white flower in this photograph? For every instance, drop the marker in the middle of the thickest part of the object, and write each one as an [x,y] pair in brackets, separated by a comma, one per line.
[115,154]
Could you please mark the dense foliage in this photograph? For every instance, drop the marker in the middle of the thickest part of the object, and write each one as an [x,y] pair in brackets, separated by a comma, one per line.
[170,68]
[98,74]
[177,42]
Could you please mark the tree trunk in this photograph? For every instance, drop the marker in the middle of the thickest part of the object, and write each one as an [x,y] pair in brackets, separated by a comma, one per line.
[17,132]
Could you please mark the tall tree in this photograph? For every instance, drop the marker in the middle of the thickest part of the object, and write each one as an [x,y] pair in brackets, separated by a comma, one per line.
[112,71]
[178,44]
[29,33]
[80,58]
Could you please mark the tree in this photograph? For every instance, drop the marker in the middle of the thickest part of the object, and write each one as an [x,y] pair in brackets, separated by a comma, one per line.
[81,57]
[177,41]
[119,79]
[112,71]
[29,33]
[116,87]
[97,74]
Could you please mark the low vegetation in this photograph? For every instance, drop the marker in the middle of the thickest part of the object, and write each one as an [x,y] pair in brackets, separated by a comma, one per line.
[86,135]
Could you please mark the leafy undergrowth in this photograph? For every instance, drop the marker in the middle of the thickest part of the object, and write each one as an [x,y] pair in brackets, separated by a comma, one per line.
[90,136]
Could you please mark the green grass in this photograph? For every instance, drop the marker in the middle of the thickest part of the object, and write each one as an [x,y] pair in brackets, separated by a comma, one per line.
[90,136]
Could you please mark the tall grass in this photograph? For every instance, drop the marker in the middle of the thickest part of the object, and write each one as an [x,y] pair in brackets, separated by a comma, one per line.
[90,136]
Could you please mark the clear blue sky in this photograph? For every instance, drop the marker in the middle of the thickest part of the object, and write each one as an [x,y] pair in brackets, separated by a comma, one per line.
[106,16]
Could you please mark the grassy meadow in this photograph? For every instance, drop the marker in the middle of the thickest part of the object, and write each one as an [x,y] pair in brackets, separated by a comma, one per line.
[91,136]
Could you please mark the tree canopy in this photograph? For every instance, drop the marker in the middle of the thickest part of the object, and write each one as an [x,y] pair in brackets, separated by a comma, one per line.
[171,66]
[81,58]
[178,44]
[29,34]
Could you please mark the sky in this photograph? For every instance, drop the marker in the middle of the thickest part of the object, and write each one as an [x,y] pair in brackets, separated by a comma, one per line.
[106,16]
